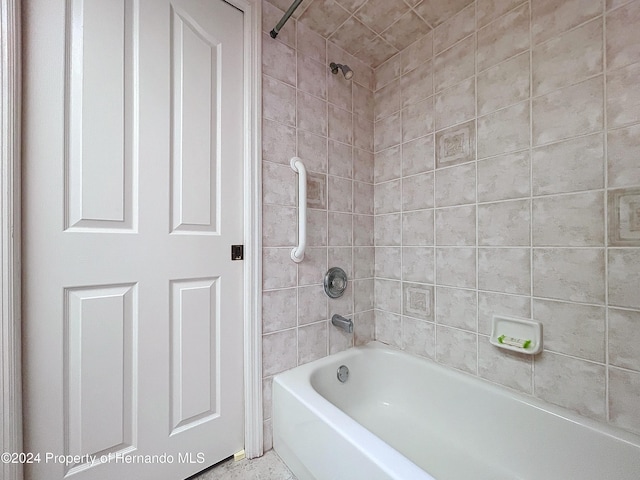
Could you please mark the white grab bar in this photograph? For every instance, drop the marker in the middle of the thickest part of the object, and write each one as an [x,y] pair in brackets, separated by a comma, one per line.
[297,254]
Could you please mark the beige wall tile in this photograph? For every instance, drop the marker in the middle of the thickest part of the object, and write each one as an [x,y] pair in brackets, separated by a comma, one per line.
[624,390]
[505,224]
[417,53]
[389,328]
[312,149]
[278,60]
[278,271]
[490,304]
[387,197]
[455,29]
[387,264]
[324,16]
[405,30]
[277,354]
[387,100]
[379,15]
[311,114]
[506,368]
[271,15]
[489,10]
[572,329]
[278,101]
[279,226]
[457,349]
[456,104]
[388,132]
[363,102]
[363,165]
[418,120]
[388,164]
[624,277]
[456,226]
[316,190]
[571,383]
[417,84]
[456,267]
[312,304]
[312,76]
[624,338]
[568,58]
[278,142]
[550,18]
[435,11]
[418,156]
[623,153]
[418,264]
[623,99]
[363,230]
[575,220]
[277,310]
[456,185]
[316,228]
[569,112]
[339,340]
[388,295]
[418,337]
[351,34]
[504,177]
[417,228]
[504,131]
[569,166]
[340,159]
[309,42]
[364,326]
[363,133]
[340,194]
[623,45]
[504,84]
[624,217]
[312,342]
[363,295]
[455,64]
[417,192]
[279,184]
[387,72]
[569,274]
[363,262]
[388,229]
[339,90]
[340,229]
[340,125]
[457,308]
[312,269]
[506,270]
[363,198]
[503,38]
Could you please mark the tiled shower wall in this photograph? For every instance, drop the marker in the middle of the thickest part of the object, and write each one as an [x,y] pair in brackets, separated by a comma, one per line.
[328,122]
[507,181]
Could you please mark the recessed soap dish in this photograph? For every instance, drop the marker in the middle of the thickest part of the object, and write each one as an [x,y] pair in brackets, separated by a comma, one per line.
[516,334]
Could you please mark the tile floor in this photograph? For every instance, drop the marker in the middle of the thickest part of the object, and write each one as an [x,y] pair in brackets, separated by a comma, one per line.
[267,467]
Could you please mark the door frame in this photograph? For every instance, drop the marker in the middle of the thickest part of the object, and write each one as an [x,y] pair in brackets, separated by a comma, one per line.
[11,439]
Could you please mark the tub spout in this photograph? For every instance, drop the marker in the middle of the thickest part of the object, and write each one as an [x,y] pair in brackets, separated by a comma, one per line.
[345,324]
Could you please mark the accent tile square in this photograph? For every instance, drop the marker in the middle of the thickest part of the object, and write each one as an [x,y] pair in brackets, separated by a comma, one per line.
[624,217]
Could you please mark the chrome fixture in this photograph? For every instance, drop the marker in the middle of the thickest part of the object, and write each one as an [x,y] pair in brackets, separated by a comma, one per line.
[343,373]
[346,71]
[345,324]
[335,282]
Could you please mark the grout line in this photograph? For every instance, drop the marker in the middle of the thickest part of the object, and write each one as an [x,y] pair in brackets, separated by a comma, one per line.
[532,361]
[477,210]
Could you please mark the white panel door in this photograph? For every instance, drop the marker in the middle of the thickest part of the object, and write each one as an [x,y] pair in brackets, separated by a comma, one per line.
[133,196]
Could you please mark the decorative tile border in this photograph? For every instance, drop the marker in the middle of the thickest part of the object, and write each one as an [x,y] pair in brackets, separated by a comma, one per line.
[624,217]
[317,191]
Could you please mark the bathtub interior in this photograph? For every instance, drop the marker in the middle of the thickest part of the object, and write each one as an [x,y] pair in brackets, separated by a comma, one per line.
[453,425]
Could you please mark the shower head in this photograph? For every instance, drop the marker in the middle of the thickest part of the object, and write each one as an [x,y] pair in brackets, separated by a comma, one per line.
[346,71]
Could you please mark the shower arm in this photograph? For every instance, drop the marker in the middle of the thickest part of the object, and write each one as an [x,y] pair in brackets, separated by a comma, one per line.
[276,30]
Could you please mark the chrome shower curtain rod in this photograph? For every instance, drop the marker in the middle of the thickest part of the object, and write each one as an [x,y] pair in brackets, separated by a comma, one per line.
[276,30]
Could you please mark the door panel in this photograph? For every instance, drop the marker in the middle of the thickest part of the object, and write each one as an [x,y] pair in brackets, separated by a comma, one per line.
[133,321]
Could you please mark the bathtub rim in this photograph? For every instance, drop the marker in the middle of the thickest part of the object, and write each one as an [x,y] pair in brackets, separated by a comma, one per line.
[297,382]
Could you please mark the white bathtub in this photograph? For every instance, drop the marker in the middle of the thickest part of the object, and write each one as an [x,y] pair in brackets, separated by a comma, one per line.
[401,417]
